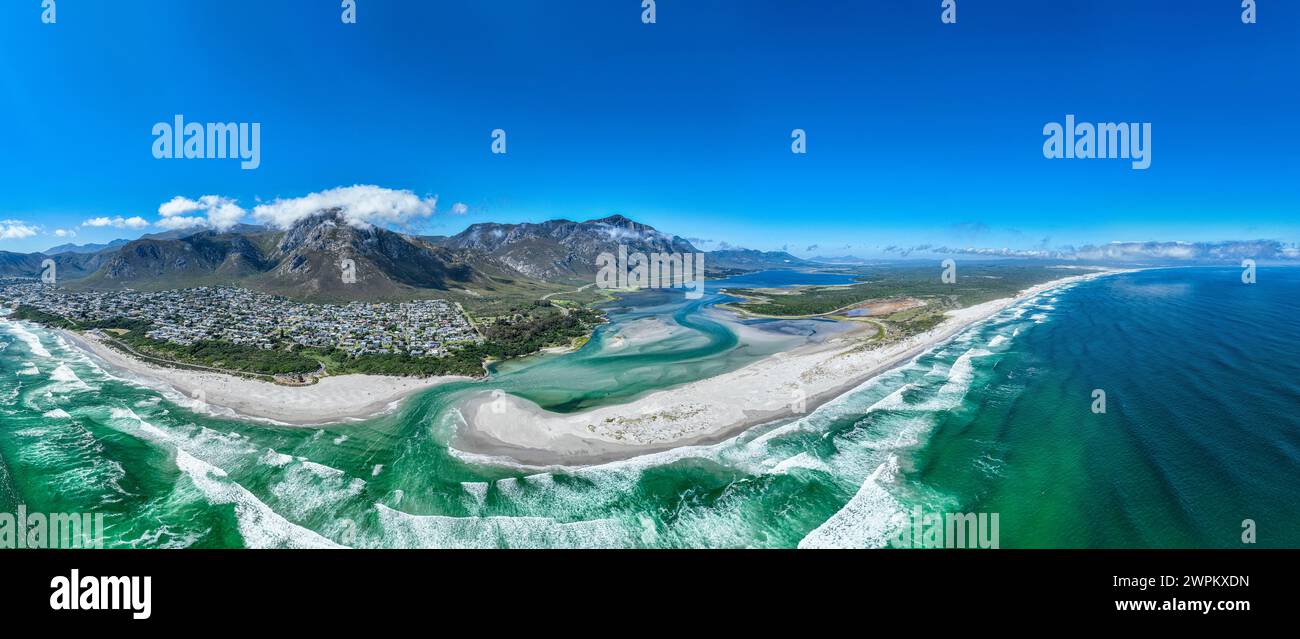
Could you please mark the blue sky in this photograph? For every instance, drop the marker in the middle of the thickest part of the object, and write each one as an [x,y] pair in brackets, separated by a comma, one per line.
[918,132]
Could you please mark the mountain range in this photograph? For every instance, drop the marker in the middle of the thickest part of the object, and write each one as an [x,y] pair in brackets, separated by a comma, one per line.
[561,250]
[841,260]
[83,248]
[306,260]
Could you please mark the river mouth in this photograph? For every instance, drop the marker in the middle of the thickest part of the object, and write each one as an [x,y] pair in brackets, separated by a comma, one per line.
[656,340]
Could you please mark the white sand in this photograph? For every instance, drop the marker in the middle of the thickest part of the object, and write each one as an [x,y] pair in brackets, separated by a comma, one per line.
[332,399]
[784,385]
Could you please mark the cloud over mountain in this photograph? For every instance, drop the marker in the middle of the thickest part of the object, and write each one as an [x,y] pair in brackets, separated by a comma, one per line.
[220,213]
[362,206]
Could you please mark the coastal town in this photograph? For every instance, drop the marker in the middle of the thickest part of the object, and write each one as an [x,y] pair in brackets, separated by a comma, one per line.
[423,328]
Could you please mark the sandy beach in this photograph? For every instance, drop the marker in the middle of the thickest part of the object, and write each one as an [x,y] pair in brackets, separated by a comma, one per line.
[332,399]
[784,385]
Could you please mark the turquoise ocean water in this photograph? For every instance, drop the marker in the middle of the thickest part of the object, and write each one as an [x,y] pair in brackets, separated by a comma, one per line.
[1201,375]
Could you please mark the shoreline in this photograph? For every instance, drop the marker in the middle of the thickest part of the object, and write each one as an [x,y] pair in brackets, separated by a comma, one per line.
[330,400]
[785,385]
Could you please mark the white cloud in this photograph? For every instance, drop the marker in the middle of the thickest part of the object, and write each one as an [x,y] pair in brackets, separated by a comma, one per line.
[16,230]
[362,206]
[64,233]
[1228,250]
[182,222]
[220,213]
[1136,251]
[119,222]
[177,206]
[459,208]
[223,213]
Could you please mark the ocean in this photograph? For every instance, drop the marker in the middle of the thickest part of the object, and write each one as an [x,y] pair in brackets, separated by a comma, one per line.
[1201,377]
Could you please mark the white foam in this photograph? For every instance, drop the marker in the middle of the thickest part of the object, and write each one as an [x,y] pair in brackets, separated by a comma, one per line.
[57,413]
[477,491]
[307,489]
[64,375]
[129,415]
[802,460]
[260,526]
[33,342]
[272,458]
[439,531]
[907,431]
[29,369]
[960,376]
[508,487]
[893,400]
[866,521]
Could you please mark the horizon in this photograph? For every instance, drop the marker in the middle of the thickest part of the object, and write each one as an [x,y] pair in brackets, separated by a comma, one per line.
[684,125]
[1171,253]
